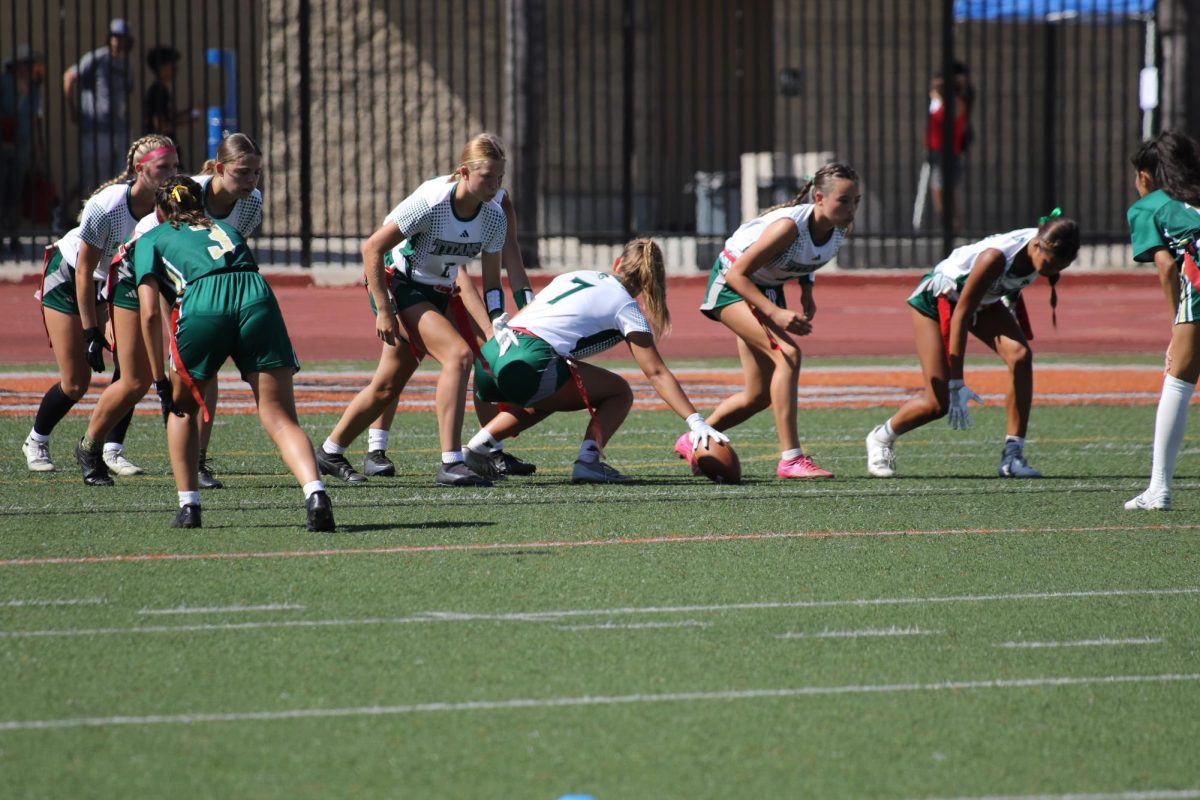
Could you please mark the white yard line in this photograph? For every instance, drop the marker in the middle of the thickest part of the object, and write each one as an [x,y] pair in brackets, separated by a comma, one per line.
[858,634]
[1079,643]
[634,626]
[76,601]
[576,613]
[1144,794]
[601,700]
[221,609]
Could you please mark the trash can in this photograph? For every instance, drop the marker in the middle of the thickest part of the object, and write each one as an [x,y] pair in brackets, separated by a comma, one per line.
[718,202]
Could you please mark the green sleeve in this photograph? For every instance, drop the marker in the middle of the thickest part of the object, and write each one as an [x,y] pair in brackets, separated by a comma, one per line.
[144,259]
[1144,233]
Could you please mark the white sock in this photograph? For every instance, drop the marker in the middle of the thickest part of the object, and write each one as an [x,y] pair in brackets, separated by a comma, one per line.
[377,439]
[1169,425]
[312,487]
[483,442]
[114,447]
[189,499]
[452,457]
[34,436]
[333,448]
[788,455]
[589,452]
[885,434]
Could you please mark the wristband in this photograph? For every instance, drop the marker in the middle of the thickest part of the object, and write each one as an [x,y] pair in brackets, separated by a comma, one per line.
[694,421]
[523,297]
[494,300]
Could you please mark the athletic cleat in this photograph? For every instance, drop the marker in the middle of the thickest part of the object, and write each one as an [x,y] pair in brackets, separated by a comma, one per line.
[1014,465]
[120,465]
[377,463]
[37,456]
[188,517]
[320,513]
[459,474]
[207,479]
[881,456]
[801,467]
[683,447]
[335,464]
[95,471]
[1150,500]
[483,464]
[508,464]
[596,472]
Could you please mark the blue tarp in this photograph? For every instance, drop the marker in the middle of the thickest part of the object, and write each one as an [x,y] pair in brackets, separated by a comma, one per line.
[1032,10]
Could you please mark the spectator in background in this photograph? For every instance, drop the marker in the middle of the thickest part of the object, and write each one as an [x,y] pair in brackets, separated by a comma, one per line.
[948,172]
[97,93]
[22,148]
[158,109]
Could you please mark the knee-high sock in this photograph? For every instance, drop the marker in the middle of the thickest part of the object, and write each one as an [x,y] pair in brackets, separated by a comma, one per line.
[117,434]
[1169,425]
[55,405]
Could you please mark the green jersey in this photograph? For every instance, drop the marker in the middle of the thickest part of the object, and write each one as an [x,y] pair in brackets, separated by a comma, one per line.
[180,256]
[1157,221]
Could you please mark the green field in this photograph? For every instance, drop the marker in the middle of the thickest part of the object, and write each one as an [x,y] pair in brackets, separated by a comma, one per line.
[942,634]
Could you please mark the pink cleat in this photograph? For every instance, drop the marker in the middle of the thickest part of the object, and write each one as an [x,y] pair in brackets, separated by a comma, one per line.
[801,467]
[683,446]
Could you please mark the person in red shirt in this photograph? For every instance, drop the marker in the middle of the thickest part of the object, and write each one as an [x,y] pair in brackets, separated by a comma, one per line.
[948,173]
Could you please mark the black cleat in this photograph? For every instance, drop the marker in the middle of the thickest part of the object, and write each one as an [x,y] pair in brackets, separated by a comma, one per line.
[337,466]
[459,474]
[320,513]
[377,463]
[508,464]
[95,471]
[188,517]
[207,479]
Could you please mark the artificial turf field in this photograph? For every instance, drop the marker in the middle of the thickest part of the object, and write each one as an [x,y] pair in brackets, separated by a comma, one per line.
[942,634]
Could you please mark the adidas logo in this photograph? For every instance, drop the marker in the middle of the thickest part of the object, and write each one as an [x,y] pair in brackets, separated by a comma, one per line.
[464,235]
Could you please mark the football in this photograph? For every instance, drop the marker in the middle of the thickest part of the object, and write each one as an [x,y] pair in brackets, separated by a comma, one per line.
[718,462]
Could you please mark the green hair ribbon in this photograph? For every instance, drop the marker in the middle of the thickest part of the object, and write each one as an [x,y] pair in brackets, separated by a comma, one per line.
[1055,213]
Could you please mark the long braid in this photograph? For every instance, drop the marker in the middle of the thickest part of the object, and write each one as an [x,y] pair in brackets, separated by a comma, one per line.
[1060,236]
[139,148]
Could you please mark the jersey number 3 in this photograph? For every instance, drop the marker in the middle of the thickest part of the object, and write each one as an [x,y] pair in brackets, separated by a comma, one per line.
[223,243]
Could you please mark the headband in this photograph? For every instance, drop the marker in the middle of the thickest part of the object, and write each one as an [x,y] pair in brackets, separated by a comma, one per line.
[158,152]
[1057,212]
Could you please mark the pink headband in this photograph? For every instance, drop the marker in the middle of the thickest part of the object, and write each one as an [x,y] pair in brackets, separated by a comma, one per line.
[156,153]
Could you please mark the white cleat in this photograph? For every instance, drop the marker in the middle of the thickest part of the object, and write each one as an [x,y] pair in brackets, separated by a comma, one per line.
[881,456]
[120,465]
[1150,500]
[37,456]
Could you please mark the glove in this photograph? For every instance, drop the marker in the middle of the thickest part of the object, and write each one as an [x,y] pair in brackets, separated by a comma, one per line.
[960,418]
[94,345]
[701,432]
[165,403]
[503,334]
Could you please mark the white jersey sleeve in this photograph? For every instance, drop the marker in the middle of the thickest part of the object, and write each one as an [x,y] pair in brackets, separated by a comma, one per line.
[950,275]
[245,216]
[105,224]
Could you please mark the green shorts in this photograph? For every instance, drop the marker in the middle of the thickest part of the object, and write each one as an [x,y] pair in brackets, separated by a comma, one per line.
[925,297]
[58,286]
[125,294]
[232,315]
[717,294]
[528,372]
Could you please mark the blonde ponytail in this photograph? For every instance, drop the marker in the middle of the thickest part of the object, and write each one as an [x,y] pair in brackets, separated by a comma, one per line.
[643,271]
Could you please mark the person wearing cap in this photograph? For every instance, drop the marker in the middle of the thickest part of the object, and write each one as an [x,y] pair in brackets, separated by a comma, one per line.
[21,141]
[97,93]
[158,108]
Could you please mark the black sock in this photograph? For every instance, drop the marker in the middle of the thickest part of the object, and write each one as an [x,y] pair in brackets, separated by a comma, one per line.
[55,405]
[117,434]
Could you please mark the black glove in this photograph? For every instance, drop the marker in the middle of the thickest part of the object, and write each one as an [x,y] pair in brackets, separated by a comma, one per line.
[94,345]
[165,403]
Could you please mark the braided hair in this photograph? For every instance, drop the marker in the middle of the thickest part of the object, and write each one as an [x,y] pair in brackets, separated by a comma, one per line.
[138,150]
[821,181]
[1059,236]
[181,200]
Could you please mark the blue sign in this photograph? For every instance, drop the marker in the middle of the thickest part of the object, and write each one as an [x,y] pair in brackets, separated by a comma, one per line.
[1036,10]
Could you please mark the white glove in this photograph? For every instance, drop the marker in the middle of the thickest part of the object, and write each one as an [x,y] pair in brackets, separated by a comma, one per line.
[960,418]
[702,432]
[503,334]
